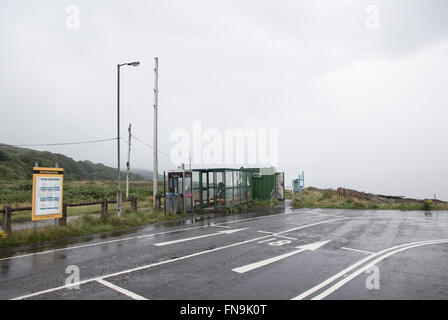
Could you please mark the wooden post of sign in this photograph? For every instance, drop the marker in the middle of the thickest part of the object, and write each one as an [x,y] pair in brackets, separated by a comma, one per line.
[63,220]
[6,223]
[4,219]
[7,227]
[104,205]
[134,204]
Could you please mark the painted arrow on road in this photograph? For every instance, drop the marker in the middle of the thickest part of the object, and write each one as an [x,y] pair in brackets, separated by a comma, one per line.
[198,237]
[252,266]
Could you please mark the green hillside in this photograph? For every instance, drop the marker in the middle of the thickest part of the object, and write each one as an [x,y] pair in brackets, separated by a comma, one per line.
[17,163]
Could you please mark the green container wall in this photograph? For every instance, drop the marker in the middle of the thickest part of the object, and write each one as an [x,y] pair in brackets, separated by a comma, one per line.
[262,187]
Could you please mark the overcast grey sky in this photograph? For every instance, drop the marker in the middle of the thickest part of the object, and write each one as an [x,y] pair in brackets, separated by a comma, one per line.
[356,107]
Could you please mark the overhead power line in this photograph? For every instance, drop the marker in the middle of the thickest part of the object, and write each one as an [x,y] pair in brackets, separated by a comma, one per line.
[149,146]
[57,144]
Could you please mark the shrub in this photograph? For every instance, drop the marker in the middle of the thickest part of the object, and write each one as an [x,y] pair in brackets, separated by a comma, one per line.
[427,204]
[327,194]
[373,206]
[359,205]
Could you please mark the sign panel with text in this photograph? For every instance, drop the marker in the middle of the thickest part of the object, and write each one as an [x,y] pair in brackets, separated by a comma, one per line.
[47,193]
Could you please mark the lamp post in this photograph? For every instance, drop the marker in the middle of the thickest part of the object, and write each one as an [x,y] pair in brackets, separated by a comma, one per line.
[134,64]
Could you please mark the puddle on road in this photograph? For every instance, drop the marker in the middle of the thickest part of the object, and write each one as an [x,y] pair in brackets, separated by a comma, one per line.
[206,219]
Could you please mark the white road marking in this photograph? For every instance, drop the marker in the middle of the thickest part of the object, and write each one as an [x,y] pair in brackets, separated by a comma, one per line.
[363,251]
[429,221]
[308,225]
[102,242]
[143,236]
[270,239]
[277,242]
[368,266]
[333,215]
[121,290]
[353,266]
[198,237]
[215,225]
[262,263]
[269,232]
[321,214]
[37,293]
[256,218]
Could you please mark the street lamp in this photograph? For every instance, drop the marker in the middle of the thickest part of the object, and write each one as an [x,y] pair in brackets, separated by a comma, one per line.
[134,64]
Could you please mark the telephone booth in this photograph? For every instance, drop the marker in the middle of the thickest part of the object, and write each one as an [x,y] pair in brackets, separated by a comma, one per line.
[179,196]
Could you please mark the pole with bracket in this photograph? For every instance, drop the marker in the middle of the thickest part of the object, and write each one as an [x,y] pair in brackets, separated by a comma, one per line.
[155,161]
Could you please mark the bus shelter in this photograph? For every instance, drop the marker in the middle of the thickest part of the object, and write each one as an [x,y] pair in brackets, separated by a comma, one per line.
[221,188]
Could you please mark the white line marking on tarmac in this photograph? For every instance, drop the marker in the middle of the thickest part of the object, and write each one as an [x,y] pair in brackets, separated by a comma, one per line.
[306,226]
[269,232]
[121,290]
[144,236]
[368,266]
[102,242]
[429,221]
[198,237]
[166,261]
[219,225]
[215,225]
[353,266]
[256,218]
[363,251]
[267,240]
[333,215]
[262,263]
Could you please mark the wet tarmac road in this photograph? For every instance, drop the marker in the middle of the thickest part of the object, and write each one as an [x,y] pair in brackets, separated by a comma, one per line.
[293,254]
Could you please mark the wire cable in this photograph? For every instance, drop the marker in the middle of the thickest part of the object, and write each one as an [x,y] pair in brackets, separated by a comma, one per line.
[57,144]
[149,146]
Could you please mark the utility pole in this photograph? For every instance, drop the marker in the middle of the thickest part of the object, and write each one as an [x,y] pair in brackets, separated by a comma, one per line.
[156,93]
[118,143]
[128,164]
[134,64]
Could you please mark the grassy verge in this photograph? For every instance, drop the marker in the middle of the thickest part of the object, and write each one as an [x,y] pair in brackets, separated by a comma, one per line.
[254,204]
[85,225]
[318,199]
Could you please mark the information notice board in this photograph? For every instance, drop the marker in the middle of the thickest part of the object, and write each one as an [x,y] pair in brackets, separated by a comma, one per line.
[47,193]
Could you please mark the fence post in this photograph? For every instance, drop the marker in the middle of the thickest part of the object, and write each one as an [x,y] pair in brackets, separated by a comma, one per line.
[4,220]
[7,221]
[157,200]
[63,220]
[104,206]
[134,204]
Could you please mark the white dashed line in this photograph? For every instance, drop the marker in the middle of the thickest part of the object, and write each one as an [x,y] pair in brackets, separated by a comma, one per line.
[37,293]
[429,221]
[357,250]
[121,290]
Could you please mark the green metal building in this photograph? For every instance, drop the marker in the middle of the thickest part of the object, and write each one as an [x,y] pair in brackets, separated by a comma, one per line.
[263,182]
